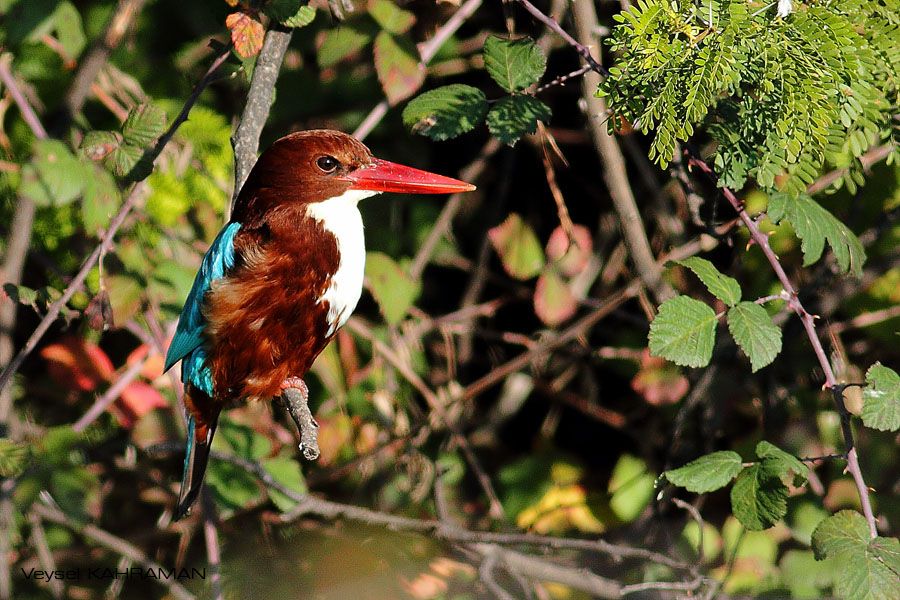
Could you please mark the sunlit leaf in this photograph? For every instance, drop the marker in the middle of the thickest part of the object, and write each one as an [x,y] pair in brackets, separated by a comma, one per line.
[707,473]
[55,176]
[684,332]
[288,472]
[291,13]
[518,247]
[393,288]
[344,40]
[398,67]
[144,124]
[391,17]
[758,497]
[723,287]
[554,301]
[446,112]
[246,34]
[755,333]
[570,256]
[513,64]
[881,399]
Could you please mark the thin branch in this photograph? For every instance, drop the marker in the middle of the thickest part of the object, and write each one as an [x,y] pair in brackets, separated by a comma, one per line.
[435,403]
[245,140]
[45,556]
[581,48]
[28,114]
[427,51]
[137,192]
[867,319]
[868,159]
[110,542]
[94,60]
[441,226]
[109,396]
[614,172]
[808,321]
[213,549]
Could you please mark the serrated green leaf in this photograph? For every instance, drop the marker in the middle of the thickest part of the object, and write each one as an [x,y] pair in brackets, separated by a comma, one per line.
[755,333]
[723,287]
[513,64]
[684,332]
[398,67]
[390,16]
[881,399]
[782,463]
[291,13]
[864,568]
[446,112]
[517,245]
[344,40]
[814,226]
[516,116]
[13,457]
[758,498]
[144,124]
[97,145]
[707,473]
[21,294]
[391,286]
[129,161]
[288,472]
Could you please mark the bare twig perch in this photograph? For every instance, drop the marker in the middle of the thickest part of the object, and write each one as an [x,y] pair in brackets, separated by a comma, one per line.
[297,405]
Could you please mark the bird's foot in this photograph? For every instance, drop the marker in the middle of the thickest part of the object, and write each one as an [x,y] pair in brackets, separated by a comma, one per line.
[295,397]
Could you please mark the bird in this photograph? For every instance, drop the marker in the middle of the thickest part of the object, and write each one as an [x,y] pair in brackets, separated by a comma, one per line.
[279,280]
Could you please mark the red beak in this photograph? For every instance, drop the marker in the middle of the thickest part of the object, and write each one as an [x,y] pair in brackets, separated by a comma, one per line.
[384,176]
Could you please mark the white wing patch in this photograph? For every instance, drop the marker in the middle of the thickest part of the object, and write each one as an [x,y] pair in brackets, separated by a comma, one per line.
[340,215]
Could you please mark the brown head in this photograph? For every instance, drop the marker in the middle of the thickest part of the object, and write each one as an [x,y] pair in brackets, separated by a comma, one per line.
[316,165]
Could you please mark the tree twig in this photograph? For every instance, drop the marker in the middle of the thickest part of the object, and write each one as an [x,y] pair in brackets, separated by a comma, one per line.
[110,542]
[28,114]
[109,396]
[245,140]
[45,556]
[426,53]
[808,321]
[136,193]
[614,171]
[581,48]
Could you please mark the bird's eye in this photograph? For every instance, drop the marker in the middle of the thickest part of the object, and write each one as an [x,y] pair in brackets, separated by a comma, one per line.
[327,163]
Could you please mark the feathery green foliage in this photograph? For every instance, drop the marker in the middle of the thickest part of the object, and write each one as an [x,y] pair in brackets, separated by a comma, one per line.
[781,97]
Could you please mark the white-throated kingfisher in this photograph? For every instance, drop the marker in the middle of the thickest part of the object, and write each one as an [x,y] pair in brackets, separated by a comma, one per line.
[280,279]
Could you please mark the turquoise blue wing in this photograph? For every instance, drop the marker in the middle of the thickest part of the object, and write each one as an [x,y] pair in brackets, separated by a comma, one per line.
[188,341]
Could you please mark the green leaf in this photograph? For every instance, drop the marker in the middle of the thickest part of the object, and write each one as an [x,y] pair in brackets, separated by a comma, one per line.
[756,334]
[864,568]
[398,67]
[233,488]
[881,399]
[684,332]
[513,64]
[55,176]
[13,457]
[781,463]
[814,226]
[97,145]
[393,288]
[129,161]
[101,200]
[291,13]
[515,116]
[517,245]
[758,498]
[804,575]
[288,472]
[21,294]
[446,112]
[243,440]
[707,473]
[723,287]
[144,124]
[345,40]
[390,16]
[631,487]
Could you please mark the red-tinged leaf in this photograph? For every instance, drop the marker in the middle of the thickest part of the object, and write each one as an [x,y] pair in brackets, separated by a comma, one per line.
[136,401]
[570,258]
[335,436]
[518,247]
[79,363]
[553,300]
[246,33]
[398,67]
[153,365]
[659,381]
[99,312]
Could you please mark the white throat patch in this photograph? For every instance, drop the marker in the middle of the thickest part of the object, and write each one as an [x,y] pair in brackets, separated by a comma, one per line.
[340,215]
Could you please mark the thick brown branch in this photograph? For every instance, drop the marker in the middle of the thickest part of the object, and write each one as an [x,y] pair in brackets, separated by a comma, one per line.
[245,140]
